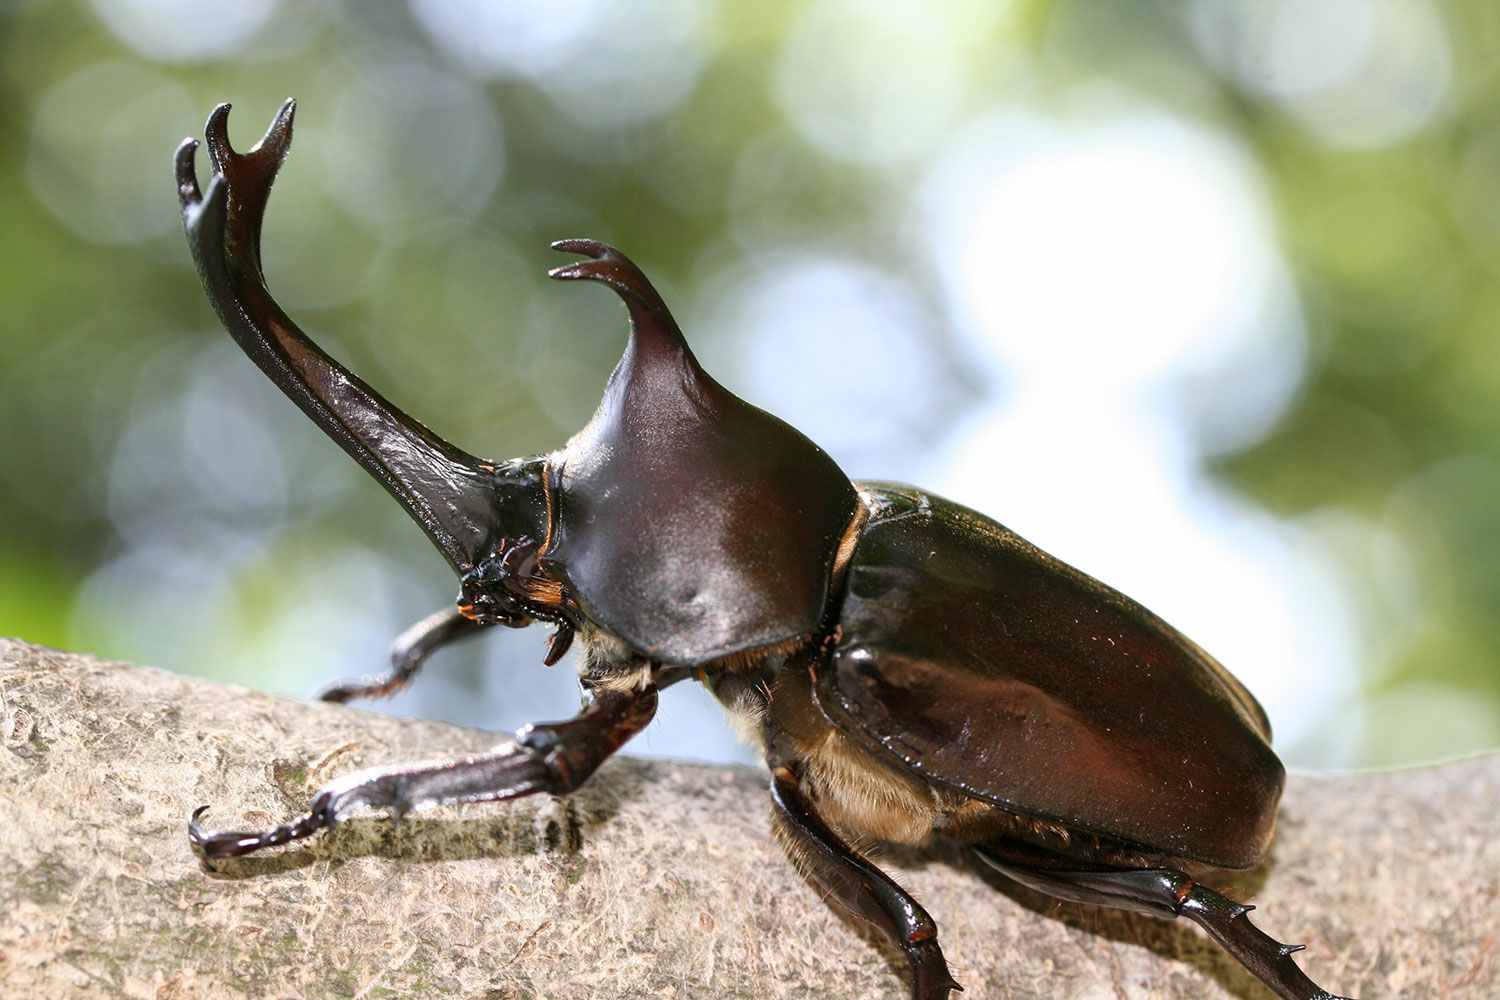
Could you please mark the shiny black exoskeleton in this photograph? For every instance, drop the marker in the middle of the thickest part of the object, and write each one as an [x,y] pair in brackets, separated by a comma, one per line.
[910,667]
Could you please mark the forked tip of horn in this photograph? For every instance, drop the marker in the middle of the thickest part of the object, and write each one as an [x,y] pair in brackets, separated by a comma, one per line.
[587,247]
[188,192]
[608,265]
[278,135]
[207,215]
[216,136]
[650,318]
[272,145]
[605,264]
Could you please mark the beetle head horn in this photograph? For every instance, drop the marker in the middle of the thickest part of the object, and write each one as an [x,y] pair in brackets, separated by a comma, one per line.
[463,504]
[688,522]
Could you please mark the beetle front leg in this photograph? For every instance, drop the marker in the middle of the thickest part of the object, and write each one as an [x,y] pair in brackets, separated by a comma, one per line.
[862,888]
[554,757]
[410,650]
[1162,892]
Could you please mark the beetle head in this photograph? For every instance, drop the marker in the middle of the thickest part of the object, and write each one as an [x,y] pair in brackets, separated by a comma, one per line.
[509,588]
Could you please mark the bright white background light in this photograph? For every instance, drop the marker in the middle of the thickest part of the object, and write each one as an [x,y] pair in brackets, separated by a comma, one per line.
[1096,267]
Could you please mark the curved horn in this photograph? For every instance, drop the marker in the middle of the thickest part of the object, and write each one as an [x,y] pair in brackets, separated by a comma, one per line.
[728,515]
[449,492]
[653,328]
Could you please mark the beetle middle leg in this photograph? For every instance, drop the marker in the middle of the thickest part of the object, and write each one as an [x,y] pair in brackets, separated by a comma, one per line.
[860,887]
[553,757]
[1160,892]
[410,650]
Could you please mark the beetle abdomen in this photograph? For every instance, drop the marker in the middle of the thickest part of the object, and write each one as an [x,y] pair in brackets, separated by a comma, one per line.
[986,665]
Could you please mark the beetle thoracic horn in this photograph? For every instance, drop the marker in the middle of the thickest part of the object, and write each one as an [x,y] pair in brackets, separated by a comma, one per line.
[724,519]
[653,328]
[449,492]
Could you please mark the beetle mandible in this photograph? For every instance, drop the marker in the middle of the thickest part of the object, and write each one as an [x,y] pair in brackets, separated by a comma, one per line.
[910,666]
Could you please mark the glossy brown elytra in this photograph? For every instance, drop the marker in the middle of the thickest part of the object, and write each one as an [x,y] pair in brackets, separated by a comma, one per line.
[911,667]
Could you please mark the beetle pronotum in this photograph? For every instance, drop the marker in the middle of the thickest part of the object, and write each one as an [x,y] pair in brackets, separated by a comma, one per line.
[909,666]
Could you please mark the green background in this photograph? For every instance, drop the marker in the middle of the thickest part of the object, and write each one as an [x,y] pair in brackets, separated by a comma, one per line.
[161,502]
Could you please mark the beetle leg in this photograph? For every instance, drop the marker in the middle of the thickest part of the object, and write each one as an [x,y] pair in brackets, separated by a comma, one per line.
[1162,892]
[863,889]
[553,757]
[408,653]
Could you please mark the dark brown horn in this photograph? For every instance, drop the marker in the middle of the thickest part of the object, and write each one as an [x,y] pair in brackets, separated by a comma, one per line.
[452,494]
[686,521]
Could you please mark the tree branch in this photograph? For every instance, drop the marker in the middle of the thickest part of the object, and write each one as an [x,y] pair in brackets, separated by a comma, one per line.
[655,880]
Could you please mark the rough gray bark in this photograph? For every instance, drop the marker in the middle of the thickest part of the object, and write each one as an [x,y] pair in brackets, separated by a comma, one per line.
[655,880]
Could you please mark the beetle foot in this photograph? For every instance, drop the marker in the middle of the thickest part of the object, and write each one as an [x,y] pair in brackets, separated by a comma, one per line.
[930,976]
[343,692]
[236,843]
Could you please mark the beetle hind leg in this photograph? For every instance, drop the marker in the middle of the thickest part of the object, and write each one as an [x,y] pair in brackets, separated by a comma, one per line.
[410,650]
[1161,892]
[863,889]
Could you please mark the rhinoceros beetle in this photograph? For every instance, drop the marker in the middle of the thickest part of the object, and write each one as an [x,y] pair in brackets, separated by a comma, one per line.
[910,666]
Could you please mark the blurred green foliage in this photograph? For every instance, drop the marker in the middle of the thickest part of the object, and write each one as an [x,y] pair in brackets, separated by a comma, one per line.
[408,233]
